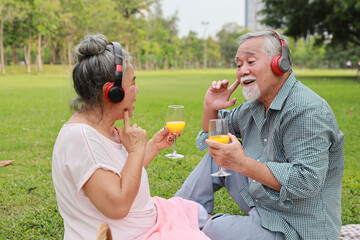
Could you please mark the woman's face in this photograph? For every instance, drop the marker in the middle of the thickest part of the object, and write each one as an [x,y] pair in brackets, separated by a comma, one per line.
[130,89]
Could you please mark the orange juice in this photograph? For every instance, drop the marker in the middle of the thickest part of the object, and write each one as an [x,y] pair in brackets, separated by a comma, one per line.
[220,138]
[175,126]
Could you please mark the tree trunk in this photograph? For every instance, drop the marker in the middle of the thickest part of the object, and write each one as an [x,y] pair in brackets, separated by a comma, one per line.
[56,56]
[52,52]
[2,62]
[146,61]
[69,49]
[139,67]
[166,63]
[13,51]
[63,56]
[5,58]
[39,64]
[27,56]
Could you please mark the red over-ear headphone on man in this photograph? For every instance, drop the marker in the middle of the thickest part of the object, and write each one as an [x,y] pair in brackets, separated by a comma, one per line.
[114,93]
[281,64]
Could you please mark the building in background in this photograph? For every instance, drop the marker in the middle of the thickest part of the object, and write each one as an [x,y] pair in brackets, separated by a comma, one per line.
[252,17]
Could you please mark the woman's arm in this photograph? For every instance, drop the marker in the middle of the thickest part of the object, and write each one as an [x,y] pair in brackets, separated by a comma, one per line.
[114,195]
[162,139]
[111,194]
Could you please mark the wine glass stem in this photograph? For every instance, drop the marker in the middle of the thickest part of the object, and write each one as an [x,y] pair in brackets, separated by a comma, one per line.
[174,146]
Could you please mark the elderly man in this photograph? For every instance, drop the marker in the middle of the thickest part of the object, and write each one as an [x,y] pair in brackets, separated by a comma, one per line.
[286,172]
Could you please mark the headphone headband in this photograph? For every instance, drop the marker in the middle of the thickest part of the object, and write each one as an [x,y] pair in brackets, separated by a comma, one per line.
[118,63]
[281,64]
[114,93]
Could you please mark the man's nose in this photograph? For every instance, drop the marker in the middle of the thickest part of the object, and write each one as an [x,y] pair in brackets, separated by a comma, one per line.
[244,70]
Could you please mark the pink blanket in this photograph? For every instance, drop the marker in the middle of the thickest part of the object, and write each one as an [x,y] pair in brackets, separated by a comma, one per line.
[177,218]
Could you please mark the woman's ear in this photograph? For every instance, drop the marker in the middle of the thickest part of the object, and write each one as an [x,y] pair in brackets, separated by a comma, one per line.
[106,86]
[105,89]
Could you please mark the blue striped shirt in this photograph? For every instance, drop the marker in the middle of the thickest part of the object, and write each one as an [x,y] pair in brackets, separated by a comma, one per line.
[299,139]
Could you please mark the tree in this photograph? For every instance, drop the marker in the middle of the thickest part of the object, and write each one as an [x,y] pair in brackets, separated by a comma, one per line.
[132,27]
[213,53]
[335,21]
[192,50]
[28,29]
[8,12]
[104,17]
[228,36]
[14,37]
[161,43]
[74,21]
[45,22]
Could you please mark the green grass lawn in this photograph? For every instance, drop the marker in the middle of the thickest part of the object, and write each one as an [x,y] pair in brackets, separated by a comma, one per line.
[34,106]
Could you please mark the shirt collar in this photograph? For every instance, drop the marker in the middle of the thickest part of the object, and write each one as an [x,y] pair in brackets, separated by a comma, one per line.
[277,103]
[279,100]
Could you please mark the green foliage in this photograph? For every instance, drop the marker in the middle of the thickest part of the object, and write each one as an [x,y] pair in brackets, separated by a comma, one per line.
[337,21]
[213,51]
[192,50]
[51,28]
[228,36]
[34,107]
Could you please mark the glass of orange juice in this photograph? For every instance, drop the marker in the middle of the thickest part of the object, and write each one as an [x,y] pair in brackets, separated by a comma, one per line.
[175,122]
[218,131]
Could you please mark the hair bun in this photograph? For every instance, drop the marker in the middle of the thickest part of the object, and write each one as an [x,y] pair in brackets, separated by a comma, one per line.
[93,44]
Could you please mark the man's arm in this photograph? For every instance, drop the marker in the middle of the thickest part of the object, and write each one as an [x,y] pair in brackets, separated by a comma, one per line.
[217,98]
[208,113]
[232,156]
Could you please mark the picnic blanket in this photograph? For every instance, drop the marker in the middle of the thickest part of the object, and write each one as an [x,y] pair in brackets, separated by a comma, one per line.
[177,218]
[350,231]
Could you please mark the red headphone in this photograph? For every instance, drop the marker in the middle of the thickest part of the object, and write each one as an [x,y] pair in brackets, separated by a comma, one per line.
[114,93]
[281,64]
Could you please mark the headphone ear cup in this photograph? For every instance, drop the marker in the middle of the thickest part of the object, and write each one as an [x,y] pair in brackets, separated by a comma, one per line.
[284,64]
[115,94]
[275,66]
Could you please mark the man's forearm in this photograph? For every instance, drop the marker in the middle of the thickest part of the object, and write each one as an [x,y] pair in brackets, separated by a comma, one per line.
[208,114]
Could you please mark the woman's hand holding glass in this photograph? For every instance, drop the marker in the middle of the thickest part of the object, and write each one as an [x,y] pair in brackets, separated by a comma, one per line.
[163,138]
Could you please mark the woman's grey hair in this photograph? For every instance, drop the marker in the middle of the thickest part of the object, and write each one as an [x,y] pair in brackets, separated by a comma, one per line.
[95,65]
[272,45]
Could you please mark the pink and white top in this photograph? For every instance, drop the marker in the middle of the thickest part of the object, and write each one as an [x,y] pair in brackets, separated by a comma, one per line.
[80,150]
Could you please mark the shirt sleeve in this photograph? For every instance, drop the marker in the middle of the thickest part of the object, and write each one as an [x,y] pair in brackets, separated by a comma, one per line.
[86,153]
[306,138]
[202,136]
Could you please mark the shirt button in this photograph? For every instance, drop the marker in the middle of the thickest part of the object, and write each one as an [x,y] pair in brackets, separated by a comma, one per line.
[265,140]
[256,200]
[254,181]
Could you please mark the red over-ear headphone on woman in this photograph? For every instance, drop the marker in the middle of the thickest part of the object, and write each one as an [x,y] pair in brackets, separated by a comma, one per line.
[114,93]
[281,64]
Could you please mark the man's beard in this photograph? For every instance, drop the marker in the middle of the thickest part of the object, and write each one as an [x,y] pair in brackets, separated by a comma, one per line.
[252,92]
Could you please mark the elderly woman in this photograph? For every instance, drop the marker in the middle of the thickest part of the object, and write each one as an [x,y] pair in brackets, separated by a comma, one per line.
[98,169]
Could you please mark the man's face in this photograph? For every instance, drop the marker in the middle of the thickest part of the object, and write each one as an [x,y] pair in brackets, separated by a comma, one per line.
[254,71]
